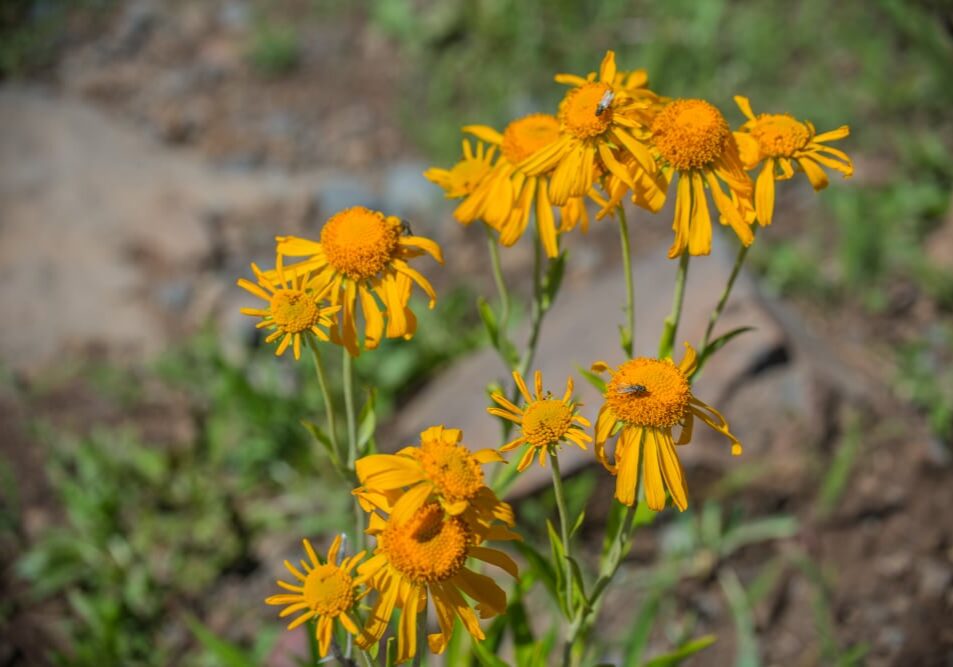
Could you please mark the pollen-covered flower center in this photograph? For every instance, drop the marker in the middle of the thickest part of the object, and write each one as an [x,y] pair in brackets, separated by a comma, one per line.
[466,175]
[294,311]
[328,590]
[430,546]
[690,134]
[545,422]
[780,135]
[359,242]
[577,111]
[451,468]
[524,137]
[649,392]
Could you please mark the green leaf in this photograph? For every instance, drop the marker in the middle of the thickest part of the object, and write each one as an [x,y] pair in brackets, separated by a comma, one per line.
[716,345]
[577,524]
[390,652]
[322,438]
[593,379]
[518,619]
[625,339]
[226,653]
[367,422]
[683,652]
[489,322]
[639,634]
[558,553]
[540,566]
[486,658]
[577,579]
[758,530]
[553,280]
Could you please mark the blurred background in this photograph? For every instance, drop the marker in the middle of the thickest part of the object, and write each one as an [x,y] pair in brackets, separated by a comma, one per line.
[154,470]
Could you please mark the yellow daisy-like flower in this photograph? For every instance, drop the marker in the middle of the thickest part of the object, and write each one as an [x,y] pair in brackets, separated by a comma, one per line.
[363,257]
[325,592]
[425,555]
[596,118]
[779,141]
[645,399]
[507,196]
[693,141]
[463,179]
[440,469]
[294,307]
[545,421]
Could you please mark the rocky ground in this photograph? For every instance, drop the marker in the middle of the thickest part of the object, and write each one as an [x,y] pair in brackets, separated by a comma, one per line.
[154,164]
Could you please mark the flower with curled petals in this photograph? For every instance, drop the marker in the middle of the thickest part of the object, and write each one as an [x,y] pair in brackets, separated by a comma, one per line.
[644,400]
[545,421]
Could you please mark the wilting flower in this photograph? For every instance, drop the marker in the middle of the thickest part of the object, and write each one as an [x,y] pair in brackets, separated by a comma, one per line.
[645,399]
[545,421]
[507,196]
[693,142]
[325,592]
[294,306]
[596,118]
[425,555]
[463,179]
[363,255]
[779,141]
[441,470]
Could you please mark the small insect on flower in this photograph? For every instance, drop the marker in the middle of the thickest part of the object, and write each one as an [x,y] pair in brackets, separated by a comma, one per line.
[631,389]
[604,103]
[405,228]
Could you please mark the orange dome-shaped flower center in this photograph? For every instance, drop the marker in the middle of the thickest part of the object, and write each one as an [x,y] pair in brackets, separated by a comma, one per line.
[328,590]
[780,135]
[359,242]
[430,546]
[545,422]
[690,134]
[294,311]
[577,111]
[649,392]
[524,137]
[451,468]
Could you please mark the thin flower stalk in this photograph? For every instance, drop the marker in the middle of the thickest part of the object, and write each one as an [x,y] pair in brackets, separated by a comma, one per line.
[667,342]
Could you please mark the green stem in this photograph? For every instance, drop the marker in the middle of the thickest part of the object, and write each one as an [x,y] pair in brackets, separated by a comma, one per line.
[348,371]
[421,639]
[667,342]
[628,335]
[735,270]
[563,512]
[537,313]
[497,269]
[325,392]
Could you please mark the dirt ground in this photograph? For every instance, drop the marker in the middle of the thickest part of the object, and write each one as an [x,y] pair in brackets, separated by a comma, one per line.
[156,162]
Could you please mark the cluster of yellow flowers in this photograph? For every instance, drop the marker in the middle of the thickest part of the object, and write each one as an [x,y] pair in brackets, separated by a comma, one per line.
[429,507]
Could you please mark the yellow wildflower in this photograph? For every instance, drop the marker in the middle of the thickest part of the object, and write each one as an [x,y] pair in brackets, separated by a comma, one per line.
[325,592]
[644,400]
[779,140]
[294,307]
[545,421]
[463,179]
[363,255]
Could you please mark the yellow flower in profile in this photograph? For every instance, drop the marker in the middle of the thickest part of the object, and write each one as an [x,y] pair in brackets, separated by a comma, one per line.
[425,556]
[693,141]
[294,307]
[779,141]
[644,400]
[463,179]
[325,592]
[595,118]
[441,469]
[545,422]
[508,196]
[363,256]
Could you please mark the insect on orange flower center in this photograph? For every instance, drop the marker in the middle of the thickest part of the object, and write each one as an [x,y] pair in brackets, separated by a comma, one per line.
[451,468]
[690,134]
[294,311]
[545,422]
[649,392]
[780,135]
[577,111]
[359,242]
[430,546]
[328,590]
[524,137]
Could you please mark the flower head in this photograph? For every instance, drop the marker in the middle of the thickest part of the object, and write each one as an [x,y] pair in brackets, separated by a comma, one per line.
[424,554]
[294,307]
[693,141]
[363,257]
[780,142]
[463,178]
[325,591]
[441,470]
[644,400]
[545,421]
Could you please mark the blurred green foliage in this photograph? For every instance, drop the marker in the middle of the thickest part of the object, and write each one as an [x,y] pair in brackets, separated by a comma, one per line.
[273,48]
